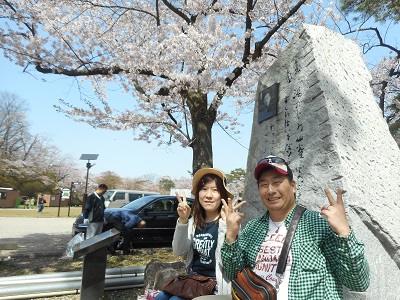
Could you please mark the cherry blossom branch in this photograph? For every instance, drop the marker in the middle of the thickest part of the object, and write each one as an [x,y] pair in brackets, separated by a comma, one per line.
[119,7]
[30,27]
[237,72]
[177,11]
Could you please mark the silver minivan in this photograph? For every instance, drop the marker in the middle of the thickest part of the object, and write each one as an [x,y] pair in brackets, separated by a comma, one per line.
[118,198]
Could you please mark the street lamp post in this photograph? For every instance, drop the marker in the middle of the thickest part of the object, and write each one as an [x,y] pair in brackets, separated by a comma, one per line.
[87,157]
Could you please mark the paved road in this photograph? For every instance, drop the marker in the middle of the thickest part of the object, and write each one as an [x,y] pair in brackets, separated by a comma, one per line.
[42,236]
[19,227]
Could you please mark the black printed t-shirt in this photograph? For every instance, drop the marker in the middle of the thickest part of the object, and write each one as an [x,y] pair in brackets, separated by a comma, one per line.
[204,245]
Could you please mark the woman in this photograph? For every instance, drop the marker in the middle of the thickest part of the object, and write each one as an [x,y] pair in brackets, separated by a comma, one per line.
[200,237]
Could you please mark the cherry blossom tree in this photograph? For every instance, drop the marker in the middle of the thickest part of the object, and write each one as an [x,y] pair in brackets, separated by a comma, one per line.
[185,62]
[15,139]
[28,161]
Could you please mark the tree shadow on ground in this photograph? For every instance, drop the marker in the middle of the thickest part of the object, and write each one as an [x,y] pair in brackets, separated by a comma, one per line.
[36,254]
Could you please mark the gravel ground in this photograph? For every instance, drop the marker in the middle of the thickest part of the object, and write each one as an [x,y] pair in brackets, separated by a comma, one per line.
[41,244]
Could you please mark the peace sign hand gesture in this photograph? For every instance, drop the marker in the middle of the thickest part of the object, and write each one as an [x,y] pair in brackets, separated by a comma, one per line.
[335,213]
[230,214]
[184,209]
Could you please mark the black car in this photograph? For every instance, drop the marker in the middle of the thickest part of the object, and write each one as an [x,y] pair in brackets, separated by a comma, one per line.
[159,212]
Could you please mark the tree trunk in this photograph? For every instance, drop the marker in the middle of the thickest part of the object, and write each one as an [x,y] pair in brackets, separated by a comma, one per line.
[203,119]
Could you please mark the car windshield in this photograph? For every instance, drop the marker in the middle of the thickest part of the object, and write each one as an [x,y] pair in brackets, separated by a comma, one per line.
[138,203]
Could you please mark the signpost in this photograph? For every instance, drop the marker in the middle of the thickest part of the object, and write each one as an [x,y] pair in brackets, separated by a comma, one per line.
[64,194]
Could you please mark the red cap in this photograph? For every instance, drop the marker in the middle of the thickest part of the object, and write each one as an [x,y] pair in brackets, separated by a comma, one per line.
[275,162]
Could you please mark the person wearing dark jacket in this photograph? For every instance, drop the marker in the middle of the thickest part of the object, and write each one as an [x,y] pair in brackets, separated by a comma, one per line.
[41,203]
[124,221]
[93,213]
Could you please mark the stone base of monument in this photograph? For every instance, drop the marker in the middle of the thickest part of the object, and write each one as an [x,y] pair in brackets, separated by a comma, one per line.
[94,251]
[158,273]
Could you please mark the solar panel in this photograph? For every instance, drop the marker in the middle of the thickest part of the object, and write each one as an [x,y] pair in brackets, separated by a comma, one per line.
[89,156]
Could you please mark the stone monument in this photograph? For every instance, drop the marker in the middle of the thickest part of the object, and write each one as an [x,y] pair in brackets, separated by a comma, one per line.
[315,108]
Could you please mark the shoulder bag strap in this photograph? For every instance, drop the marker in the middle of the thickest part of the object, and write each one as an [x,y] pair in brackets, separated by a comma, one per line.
[288,241]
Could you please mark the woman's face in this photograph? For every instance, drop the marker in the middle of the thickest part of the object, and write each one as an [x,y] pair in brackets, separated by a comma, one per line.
[210,197]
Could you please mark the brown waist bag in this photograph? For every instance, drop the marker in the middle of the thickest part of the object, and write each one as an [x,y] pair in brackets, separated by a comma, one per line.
[249,286]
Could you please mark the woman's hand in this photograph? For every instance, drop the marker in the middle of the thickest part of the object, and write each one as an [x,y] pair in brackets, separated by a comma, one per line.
[184,209]
[232,216]
[231,205]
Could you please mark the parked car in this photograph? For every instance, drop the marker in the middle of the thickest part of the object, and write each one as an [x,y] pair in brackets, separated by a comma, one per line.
[159,212]
[119,198]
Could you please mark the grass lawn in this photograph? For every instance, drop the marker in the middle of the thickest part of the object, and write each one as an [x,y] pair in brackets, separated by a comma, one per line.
[49,212]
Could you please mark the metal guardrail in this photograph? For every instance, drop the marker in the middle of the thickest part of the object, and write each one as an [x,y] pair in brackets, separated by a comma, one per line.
[64,283]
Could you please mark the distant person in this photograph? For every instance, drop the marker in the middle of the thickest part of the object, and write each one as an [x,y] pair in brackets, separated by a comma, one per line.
[31,202]
[41,203]
[26,203]
[93,213]
[124,222]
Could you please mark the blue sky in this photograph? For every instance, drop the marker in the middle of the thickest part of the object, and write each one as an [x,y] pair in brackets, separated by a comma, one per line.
[117,150]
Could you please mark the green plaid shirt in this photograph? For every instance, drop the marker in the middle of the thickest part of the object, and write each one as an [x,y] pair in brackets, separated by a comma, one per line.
[322,261]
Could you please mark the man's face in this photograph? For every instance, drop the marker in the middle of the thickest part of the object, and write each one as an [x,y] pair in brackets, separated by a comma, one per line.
[276,191]
[101,192]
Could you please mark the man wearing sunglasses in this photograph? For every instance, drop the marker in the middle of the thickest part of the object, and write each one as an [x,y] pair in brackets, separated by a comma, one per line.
[324,256]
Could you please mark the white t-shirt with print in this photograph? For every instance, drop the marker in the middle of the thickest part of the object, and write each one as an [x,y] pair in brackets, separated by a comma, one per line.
[268,256]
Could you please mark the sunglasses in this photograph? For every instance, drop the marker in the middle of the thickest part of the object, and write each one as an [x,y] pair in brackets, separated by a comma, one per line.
[272,160]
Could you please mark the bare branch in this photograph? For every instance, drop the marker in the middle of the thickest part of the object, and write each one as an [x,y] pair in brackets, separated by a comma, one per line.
[379,36]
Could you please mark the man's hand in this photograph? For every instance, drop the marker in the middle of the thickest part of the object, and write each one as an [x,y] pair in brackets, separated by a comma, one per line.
[335,213]
[141,224]
[232,218]
[86,222]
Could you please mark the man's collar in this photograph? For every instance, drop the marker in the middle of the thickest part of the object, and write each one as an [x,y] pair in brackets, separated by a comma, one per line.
[288,218]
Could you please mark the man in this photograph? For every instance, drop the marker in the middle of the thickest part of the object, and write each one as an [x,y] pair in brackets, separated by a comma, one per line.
[93,213]
[41,203]
[325,253]
[123,221]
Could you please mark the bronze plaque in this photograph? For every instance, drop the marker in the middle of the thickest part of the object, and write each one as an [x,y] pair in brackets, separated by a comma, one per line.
[268,102]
